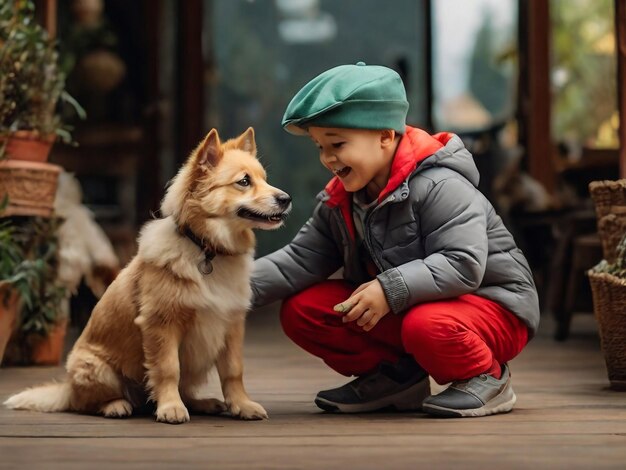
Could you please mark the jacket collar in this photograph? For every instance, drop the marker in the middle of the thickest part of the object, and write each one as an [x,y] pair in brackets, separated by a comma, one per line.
[415,146]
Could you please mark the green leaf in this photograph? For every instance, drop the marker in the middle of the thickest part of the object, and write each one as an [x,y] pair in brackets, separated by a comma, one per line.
[80,111]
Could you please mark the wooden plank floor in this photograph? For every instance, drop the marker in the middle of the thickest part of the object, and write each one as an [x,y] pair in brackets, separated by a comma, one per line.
[566,418]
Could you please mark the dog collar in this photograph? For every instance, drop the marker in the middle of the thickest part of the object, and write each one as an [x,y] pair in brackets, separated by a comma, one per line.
[205,267]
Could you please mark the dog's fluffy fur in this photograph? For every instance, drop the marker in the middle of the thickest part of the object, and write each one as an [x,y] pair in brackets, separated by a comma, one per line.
[162,325]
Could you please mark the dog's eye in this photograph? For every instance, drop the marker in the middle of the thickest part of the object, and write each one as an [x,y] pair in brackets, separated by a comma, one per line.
[245,181]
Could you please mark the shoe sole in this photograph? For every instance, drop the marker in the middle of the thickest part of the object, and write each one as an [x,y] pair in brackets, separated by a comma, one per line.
[502,403]
[409,399]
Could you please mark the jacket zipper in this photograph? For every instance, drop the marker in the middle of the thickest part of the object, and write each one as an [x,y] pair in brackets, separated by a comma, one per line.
[344,230]
[366,231]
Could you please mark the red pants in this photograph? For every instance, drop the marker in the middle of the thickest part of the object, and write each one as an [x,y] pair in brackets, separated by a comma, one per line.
[452,339]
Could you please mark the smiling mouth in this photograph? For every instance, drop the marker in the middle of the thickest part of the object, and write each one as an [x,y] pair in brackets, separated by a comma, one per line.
[343,172]
[249,214]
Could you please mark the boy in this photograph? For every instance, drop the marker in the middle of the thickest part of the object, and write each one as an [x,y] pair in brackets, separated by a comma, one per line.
[433,283]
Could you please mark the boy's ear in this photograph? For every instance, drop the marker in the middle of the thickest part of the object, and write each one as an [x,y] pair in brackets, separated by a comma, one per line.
[209,151]
[387,137]
[246,141]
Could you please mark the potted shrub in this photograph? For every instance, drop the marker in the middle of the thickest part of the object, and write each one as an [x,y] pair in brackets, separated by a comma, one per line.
[11,277]
[32,92]
[32,86]
[29,257]
[32,100]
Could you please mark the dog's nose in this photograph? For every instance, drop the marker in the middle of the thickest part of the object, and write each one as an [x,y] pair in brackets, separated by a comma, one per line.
[283,199]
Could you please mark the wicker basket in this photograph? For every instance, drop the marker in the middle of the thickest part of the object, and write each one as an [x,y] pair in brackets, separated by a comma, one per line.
[609,198]
[31,187]
[611,229]
[609,305]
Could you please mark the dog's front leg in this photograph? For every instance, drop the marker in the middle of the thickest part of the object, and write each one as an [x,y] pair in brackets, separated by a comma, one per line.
[230,369]
[161,343]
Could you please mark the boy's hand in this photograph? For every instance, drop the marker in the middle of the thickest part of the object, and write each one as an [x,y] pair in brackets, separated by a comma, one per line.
[367,305]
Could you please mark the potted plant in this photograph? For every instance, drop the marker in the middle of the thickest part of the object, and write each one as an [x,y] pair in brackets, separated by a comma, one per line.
[32,92]
[11,277]
[32,102]
[32,86]
[28,264]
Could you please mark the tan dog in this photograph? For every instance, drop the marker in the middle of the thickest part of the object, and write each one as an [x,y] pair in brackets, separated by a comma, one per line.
[178,308]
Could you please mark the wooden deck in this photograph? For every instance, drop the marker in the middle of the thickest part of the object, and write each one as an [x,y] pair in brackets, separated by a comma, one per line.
[566,418]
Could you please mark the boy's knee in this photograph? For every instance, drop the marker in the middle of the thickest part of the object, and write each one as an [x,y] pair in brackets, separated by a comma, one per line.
[308,312]
[425,327]
[298,314]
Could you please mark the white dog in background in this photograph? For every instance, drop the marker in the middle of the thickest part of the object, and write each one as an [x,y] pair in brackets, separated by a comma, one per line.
[85,252]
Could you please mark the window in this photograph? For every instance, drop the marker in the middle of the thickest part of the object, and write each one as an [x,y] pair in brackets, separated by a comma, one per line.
[583,76]
[264,51]
[474,63]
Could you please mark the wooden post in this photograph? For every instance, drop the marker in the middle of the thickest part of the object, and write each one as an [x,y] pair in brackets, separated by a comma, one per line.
[535,99]
[429,53]
[149,174]
[46,14]
[620,36]
[190,72]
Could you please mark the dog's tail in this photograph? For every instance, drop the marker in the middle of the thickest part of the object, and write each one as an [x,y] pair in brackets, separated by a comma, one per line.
[47,398]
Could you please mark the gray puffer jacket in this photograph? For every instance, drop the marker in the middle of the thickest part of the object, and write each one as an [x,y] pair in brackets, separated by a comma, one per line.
[432,236]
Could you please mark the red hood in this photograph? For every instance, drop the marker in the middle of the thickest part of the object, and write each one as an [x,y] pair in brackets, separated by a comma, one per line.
[415,146]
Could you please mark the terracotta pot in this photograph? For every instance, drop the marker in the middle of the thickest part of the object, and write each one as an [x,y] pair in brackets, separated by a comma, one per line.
[48,350]
[31,187]
[9,306]
[29,146]
[37,350]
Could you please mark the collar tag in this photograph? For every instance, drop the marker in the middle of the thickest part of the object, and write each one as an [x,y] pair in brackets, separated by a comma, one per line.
[206,267]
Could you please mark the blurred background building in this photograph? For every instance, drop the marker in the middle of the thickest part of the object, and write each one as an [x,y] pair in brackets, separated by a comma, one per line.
[530,85]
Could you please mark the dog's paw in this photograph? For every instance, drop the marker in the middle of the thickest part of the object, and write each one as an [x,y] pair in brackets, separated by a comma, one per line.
[117,409]
[209,406]
[247,410]
[172,412]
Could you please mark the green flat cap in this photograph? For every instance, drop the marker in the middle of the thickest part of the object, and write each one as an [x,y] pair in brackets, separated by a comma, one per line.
[349,96]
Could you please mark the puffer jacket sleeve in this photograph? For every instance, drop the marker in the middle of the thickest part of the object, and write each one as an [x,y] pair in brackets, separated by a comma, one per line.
[311,257]
[453,222]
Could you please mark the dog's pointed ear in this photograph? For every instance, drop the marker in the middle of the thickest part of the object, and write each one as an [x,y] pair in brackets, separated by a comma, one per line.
[210,150]
[246,141]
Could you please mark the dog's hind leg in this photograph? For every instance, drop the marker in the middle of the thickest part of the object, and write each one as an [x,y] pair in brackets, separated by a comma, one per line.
[193,378]
[96,387]
[119,408]
[208,406]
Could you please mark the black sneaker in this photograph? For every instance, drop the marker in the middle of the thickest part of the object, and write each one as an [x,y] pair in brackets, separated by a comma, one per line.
[402,386]
[479,396]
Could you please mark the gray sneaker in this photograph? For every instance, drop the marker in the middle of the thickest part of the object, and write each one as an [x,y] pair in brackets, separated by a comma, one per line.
[479,396]
[402,386]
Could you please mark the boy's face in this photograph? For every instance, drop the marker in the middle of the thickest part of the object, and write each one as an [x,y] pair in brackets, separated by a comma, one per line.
[358,157]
